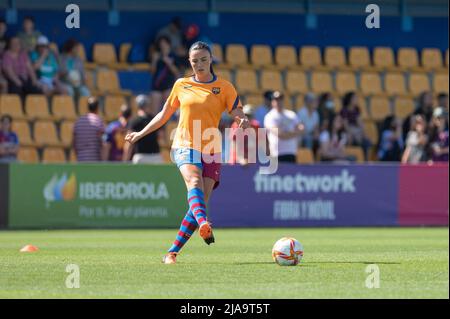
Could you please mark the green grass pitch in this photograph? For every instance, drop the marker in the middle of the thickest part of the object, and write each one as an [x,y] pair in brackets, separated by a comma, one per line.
[413,263]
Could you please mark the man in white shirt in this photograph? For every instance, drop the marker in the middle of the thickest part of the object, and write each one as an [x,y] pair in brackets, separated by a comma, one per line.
[309,117]
[283,130]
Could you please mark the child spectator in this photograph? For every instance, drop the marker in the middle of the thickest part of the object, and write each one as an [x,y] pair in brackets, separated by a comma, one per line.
[391,143]
[29,36]
[9,142]
[439,136]
[114,138]
[72,69]
[416,141]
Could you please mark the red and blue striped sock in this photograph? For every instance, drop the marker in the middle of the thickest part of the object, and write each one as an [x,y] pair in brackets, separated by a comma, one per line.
[187,228]
[197,205]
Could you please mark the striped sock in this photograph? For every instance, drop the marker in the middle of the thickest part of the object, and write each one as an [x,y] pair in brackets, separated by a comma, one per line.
[187,228]
[197,205]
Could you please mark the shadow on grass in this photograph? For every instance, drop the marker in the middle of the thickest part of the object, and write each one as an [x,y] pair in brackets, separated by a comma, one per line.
[307,264]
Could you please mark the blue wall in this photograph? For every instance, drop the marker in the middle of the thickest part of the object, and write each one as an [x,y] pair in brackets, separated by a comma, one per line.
[273,29]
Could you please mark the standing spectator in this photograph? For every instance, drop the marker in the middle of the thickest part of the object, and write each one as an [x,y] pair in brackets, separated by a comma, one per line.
[326,108]
[439,136]
[72,69]
[391,143]
[165,72]
[283,130]
[114,137]
[333,140]
[416,141]
[146,150]
[424,108]
[262,110]
[88,131]
[174,32]
[46,66]
[29,36]
[18,70]
[309,117]
[9,142]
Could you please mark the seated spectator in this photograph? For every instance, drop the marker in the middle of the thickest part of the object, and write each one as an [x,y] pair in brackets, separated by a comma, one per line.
[9,142]
[165,72]
[114,138]
[283,129]
[46,66]
[424,108]
[326,108]
[333,141]
[442,100]
[309,117]
[18,70]
[72,70]
[391,143]
[147,149]
[416,141]
[174,32]
[262,110]
[3,36]
[87,134]
[29,36]
[439,136]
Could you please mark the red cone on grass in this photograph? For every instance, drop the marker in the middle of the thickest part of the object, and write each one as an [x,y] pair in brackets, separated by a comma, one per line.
[29,249]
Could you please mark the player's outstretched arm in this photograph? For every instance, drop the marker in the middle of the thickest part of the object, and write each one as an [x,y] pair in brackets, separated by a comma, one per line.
[159,120]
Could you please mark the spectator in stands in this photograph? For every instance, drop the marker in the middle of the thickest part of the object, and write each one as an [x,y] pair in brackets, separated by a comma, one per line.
[262,110]
[9,142]
[424,108]
[114,137]
[3,36]
[29,36]
[439,136]
[47,68]
[309,117]
[333,141]
[174,32]
[18,70]
[442,100]
[391,143]
[326,108]
[87,134]
[416,141]
[284,129]
[147,149]
[165,72]
[72,69]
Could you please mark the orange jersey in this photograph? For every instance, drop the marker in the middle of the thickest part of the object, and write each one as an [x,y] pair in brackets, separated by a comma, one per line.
[201,106]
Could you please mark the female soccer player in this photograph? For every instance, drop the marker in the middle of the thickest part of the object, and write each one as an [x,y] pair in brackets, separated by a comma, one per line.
[201,98]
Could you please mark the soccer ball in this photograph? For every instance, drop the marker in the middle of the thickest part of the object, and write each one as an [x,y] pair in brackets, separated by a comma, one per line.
[287,251]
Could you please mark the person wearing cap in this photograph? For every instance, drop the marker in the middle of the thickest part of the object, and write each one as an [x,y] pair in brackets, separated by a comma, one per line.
[147,149]
[18,70]
[262,110]
[114,137]
[29,36]
[47,68]
[439,136]
[309,117]
[284,128]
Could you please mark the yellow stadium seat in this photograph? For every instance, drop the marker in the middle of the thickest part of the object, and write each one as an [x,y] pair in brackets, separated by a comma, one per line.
[370,83]
[446,58]
[371,131]
[305,156]
[53,155]
[440,82]
[287,102]
[112,106]
[261,56]
[124,51]
[36,107]
[355,151]
[383,58]
[81,52]
[28,154]
[431,58]
[345,82]
[246,81]
[286,56]
[271,80]
[104,53]
[217,53]
[66,132]
[108,83]
[363,108]
[403,106]
[63,107]
[379,107]
[224,74]
[12,105]
[22,129]
[418,82]
[45,133]
[236,55]
[394,84]
[321,82]
[254,99]
[310,57]
[296,82]
[335,57]
[407,58]
[359,57]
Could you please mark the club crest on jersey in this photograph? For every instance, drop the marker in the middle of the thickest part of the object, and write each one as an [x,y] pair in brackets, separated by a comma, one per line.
[216,90]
